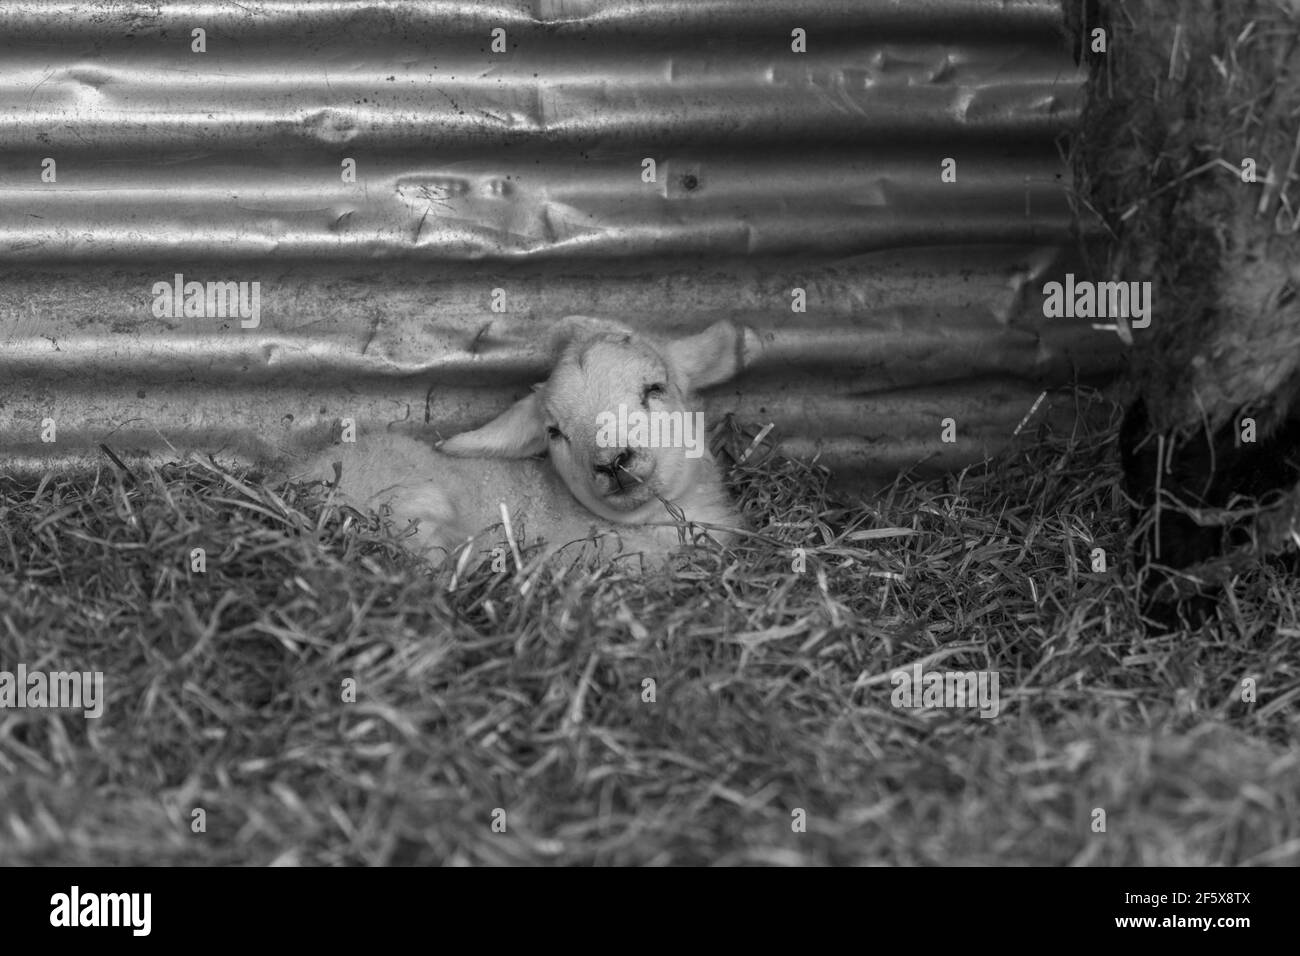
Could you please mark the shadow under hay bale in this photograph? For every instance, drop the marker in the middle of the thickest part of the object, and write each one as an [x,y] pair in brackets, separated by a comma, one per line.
[1189,151]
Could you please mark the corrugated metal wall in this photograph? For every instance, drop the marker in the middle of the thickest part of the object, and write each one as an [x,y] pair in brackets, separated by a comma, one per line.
[522,172]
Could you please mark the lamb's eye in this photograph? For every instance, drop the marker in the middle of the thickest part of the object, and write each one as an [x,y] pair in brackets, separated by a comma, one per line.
[553,433]
[654,390]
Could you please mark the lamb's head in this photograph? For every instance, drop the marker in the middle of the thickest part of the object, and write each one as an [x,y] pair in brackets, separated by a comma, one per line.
[618,416]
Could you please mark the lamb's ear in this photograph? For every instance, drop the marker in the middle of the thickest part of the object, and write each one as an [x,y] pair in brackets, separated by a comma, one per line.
[720,352]
[518,432]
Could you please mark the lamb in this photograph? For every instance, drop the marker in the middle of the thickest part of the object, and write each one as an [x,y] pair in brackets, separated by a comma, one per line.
[597,490]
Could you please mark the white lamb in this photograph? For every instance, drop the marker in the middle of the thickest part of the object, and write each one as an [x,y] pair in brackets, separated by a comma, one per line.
[616,496]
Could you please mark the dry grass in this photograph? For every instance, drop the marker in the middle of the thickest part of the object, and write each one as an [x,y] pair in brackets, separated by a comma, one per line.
[772,686]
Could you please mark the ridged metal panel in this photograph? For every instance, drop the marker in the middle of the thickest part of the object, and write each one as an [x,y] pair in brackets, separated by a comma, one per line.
[521,171]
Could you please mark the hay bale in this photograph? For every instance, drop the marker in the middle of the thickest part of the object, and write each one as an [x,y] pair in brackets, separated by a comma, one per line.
[1189,151]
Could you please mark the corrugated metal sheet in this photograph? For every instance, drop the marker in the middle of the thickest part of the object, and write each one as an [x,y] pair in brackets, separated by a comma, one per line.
[521,171]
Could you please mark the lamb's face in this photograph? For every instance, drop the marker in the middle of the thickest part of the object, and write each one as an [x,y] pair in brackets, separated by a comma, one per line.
[617,415]
[607,409]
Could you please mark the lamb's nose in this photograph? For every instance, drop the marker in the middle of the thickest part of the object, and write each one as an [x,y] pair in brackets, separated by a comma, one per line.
[616,464]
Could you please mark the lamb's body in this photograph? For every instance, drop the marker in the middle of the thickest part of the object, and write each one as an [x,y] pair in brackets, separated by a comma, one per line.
[455,499]
[614,488]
